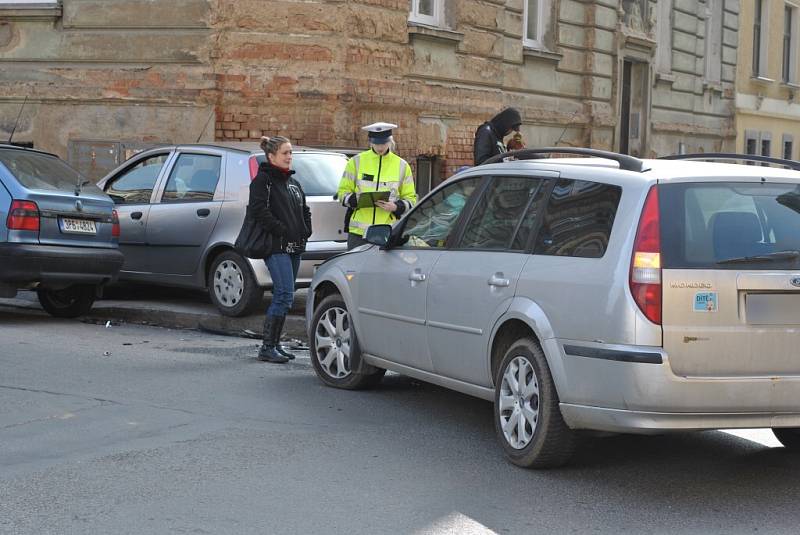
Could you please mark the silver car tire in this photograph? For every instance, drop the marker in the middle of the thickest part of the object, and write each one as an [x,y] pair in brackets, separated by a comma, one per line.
[334,348]
[231,285]
[527,417]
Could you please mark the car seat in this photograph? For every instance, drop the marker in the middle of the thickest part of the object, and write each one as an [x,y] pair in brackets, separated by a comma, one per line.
[736,234]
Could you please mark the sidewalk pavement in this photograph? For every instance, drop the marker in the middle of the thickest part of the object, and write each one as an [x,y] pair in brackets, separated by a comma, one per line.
[175,309]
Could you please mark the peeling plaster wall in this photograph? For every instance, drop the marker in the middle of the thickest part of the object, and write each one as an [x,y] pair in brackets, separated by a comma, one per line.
[110,70]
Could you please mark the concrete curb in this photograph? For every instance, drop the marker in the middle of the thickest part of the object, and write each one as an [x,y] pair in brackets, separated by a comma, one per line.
[248,326]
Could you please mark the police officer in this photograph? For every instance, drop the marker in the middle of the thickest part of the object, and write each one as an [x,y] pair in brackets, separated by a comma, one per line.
[376,169]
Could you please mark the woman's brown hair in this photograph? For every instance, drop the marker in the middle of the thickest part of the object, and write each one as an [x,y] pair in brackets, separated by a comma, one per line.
[270,145]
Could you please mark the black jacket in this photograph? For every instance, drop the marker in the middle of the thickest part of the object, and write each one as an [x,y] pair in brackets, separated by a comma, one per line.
[489,136]
[287,217]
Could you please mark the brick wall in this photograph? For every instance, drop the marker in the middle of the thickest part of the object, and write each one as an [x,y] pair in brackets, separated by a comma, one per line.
[339,65]
[317,71]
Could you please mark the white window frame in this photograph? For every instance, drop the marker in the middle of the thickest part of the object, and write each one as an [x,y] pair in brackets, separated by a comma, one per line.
[763,43]
[793,43]
[715,11]
[543,18]
[420,18]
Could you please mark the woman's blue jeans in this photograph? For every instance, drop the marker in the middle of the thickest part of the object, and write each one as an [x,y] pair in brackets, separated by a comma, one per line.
[283,269]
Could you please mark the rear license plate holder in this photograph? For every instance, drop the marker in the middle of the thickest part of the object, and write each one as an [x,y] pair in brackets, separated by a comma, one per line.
[773,309]
[71,225]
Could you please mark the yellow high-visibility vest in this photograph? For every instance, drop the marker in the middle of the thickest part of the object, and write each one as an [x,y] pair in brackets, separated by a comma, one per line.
[369,171]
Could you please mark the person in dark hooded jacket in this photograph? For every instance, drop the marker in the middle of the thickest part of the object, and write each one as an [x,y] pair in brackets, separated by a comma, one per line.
[489,136]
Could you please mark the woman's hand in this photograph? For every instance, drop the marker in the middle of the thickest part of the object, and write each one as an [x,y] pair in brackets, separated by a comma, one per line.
[389,206]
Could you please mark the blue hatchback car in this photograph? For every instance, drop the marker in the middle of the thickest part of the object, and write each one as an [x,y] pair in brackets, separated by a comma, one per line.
[59,233]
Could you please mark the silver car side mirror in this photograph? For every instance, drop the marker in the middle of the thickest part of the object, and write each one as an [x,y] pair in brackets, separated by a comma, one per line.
[379,235]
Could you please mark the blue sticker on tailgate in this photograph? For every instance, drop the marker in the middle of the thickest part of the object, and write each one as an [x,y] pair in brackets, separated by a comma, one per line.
[705,302]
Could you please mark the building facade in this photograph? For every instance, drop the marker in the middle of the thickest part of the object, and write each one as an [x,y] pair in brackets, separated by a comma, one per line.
[694,75]
[106,77]
[96,80]
[768,88]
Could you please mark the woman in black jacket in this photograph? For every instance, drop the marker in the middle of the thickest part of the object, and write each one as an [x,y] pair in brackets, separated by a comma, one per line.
[277,201]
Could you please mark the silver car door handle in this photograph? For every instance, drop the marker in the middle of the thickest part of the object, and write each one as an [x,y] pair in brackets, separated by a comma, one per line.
[498,280]
[417,276]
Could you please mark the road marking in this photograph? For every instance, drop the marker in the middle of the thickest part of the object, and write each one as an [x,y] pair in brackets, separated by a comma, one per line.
[765,437]
[455,523]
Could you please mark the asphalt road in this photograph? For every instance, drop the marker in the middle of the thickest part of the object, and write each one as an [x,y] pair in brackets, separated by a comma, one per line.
[134,429]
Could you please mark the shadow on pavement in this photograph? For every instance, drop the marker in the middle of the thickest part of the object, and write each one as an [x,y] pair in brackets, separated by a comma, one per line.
[148,292]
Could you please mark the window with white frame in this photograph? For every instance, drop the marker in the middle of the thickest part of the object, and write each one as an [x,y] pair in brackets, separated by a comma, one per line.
[760,36]
[428,12]
[714,15]
[789,60]
[751,144]
[535,17]
[788,146]
[766,145]
[664,36]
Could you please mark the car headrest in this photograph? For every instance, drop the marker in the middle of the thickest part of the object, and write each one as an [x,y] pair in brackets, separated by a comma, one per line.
[735,234]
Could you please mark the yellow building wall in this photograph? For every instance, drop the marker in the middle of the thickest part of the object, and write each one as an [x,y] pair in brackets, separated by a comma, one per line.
[765,104]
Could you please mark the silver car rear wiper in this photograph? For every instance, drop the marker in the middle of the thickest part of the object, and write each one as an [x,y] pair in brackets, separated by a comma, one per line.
[769,257]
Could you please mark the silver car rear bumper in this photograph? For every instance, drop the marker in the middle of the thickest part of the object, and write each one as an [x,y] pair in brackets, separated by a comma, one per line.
[625,421]
[636,394]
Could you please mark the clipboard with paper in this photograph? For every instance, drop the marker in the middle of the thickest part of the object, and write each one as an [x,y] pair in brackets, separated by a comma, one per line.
[367,199]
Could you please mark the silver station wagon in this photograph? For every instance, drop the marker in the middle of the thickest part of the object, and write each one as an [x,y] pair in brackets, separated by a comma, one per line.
[603,294]
[181,208]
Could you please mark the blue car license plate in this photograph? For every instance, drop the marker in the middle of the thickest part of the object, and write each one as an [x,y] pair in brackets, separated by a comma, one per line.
[78,226]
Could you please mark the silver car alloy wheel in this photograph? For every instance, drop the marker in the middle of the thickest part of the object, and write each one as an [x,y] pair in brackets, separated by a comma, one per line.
[518,405]
[332,337]
[228,283]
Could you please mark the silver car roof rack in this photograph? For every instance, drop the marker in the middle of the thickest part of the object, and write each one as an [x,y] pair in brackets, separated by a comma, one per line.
[628,163]
[792,164]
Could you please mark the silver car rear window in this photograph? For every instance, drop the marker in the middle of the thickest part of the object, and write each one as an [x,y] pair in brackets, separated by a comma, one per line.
[319,174]
[730,225]
[37,171]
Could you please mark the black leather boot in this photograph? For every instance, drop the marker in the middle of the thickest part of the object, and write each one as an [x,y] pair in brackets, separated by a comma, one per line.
[277,330]
[268,353]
